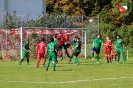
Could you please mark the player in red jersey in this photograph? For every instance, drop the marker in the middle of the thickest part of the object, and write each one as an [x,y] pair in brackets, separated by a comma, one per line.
[64,42]
[108,45]
[60,44]
[41,47]
[114,53]
[66,39]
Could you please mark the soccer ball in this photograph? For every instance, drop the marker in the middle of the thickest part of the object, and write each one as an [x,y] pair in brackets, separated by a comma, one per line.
[90,20]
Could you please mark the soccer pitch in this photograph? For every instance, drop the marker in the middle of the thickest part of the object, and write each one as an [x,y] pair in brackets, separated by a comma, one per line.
[88,74]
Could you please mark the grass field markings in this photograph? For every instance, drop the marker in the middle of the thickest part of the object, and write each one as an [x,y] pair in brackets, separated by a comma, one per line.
[74,81]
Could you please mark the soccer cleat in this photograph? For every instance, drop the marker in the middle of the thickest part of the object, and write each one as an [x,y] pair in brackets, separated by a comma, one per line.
[70,60]
[20,63]
[46,69]
[92,59]
[56,61]
[61,58]
[97,62]
[77,64]
[54,70]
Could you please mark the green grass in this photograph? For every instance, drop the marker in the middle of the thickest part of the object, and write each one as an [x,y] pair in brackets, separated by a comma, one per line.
[88,74]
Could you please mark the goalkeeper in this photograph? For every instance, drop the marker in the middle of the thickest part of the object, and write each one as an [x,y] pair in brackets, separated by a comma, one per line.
[25,52]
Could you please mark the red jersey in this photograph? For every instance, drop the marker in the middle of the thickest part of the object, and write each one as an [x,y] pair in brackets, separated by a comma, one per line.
[66,37]
[115,50]
[41,47]
[60,39]
[108,44]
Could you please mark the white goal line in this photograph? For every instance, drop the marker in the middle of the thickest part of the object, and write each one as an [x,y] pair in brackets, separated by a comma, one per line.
[65,82]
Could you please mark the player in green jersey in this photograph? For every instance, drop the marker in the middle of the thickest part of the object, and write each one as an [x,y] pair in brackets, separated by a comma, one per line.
[72,49]
[77,49]
[51,51]
[25,52]
[120,49]
[97,43]
[56,45]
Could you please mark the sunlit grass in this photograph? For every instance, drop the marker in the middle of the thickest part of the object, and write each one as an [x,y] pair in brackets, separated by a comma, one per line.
[88,74]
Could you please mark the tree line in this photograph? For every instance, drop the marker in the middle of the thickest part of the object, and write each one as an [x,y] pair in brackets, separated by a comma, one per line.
[111,23]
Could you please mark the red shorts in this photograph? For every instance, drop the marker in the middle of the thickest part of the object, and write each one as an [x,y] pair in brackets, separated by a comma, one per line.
[115,52]
[108,51]
[40,55]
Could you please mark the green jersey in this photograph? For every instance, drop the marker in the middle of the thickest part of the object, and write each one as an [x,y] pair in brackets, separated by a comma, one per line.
[51,48]
[98,42]
[56,43]
[74,43]
[26,46]
[119,43]
[24,52]
[78,49]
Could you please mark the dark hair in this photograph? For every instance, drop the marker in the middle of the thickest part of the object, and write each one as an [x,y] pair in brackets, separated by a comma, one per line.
[27,40]
[77,37]
[55,35]
[119,36]
[99,35]
[43,39]
[52,39]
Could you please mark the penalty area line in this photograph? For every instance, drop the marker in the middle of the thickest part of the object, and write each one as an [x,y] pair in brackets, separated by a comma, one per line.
[65,82]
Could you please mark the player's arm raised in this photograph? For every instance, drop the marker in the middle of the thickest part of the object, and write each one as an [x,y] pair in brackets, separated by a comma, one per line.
[70,33]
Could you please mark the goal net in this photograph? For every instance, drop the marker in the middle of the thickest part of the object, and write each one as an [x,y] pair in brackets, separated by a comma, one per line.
[10,44]
[35,35]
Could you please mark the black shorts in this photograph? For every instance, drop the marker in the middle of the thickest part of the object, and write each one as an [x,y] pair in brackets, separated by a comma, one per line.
[60,47]
[76,54]
[67,45]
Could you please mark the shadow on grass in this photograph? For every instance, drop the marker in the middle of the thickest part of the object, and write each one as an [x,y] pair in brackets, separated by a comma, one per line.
[66,70]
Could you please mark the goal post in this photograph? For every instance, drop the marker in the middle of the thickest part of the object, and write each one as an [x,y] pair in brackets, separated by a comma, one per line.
[21,41]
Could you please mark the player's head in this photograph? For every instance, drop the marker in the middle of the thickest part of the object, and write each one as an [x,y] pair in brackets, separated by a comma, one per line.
[74,39]
[107,38]
[77,37]
[27,40]
[60,32]
[99,36]
[55,35]
[43,39]
[118,37]
[51,39]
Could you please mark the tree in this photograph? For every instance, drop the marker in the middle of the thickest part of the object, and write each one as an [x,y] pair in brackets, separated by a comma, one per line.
[11,21]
